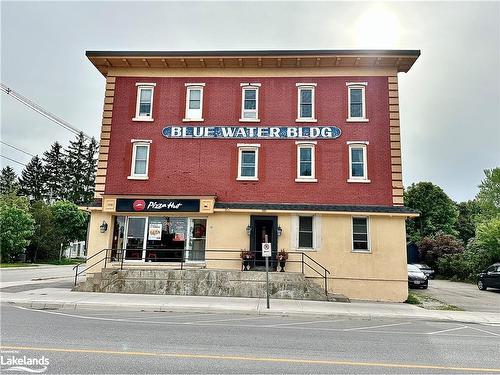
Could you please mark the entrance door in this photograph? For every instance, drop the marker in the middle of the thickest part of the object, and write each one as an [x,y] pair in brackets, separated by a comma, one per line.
[263,227]
[197,238]
[134,246]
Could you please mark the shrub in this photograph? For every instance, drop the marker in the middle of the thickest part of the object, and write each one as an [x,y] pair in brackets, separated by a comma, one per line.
[439,246]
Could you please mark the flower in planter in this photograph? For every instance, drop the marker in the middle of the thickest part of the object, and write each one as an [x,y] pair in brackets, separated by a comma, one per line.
[282,255]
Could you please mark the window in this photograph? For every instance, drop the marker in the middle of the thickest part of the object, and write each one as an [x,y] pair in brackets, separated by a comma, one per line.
[248,161]
[194,102]
[250,102]
[358,169]
[140,160]
[144,104]
[305,106]
[305,232]
[356,101]
[306,162]
[360,240]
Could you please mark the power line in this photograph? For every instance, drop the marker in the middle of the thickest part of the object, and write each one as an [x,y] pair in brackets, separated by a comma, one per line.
[15,161]
[16,148]
[39,109]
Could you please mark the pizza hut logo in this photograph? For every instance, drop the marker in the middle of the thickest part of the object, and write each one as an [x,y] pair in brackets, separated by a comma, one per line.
[139,205]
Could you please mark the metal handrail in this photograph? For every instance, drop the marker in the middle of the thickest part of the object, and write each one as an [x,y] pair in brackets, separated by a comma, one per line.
[120,257]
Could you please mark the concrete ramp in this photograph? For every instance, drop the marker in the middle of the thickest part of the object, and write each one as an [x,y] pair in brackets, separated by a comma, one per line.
[221,283]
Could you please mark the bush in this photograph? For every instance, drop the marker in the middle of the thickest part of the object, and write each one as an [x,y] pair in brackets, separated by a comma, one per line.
[439,246]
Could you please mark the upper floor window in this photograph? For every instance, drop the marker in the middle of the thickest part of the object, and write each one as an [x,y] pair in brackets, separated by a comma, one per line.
[306,161]
[360,234]
[248,161]
[305,106]
[356,101]
[250,102]
[144,104]
[358,167]
[194,102]
[140,159]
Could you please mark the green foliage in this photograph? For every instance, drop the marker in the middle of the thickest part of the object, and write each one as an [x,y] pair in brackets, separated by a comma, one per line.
[438,246]
[488,197]
[8,181]
[44,244]
[437,211]
[488,239]
[468,213]
[32,180]
[16,225]
[70,223]
[54,169]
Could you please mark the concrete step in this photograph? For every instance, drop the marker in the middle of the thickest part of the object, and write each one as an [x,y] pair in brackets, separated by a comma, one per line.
[203,282]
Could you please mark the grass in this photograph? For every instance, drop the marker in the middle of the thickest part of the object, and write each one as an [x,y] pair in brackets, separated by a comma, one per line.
[14,265]
[430,303]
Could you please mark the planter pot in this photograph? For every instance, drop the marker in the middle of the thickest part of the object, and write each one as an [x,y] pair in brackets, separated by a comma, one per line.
[282,265]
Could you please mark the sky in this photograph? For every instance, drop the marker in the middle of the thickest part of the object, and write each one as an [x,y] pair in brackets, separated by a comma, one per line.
[449,100]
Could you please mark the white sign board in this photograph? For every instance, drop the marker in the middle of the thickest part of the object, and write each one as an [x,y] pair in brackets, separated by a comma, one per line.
[266,249]
[154,232]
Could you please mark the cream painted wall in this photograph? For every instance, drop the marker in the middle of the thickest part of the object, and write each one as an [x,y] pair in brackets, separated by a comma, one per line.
[97,240]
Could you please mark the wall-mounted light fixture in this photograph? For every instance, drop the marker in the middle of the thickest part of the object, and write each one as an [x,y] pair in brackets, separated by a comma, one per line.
[249,230]
[103,227]
[279,231]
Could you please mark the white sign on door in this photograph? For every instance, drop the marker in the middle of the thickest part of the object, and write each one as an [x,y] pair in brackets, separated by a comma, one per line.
[266,249]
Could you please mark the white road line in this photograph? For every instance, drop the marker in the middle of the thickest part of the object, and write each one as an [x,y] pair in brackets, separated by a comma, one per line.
[308,322]
[446,330]
[483,330]
[220,320]
[379,326]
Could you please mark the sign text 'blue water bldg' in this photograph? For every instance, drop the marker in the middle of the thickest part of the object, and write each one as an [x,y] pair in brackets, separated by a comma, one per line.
[252,132]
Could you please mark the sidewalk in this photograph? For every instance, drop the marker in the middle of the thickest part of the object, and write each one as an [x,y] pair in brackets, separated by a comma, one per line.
[58,298]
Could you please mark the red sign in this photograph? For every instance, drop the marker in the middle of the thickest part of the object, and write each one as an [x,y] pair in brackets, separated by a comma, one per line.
[139,205]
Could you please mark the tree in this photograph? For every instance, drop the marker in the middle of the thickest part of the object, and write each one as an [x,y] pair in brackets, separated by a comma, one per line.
[54,170]
[8,181]
[32,184]
[70,223]
[440,245]
[488,197]
[488,239]
[437,211]
[16,225]
[468,212]
[44,243]
[75,170]
[90,170]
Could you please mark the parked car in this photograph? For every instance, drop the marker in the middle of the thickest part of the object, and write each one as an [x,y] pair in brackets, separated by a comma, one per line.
[428,271]
[489,278]
[416,278]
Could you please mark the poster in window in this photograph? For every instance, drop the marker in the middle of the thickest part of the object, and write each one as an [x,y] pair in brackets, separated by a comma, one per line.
[154,232]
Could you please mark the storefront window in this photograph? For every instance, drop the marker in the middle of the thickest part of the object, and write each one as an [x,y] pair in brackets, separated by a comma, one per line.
[135,238]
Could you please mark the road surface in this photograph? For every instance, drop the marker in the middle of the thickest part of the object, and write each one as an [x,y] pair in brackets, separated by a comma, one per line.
[97,341]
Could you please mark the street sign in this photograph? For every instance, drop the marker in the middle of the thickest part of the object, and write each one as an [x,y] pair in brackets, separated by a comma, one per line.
[266,249]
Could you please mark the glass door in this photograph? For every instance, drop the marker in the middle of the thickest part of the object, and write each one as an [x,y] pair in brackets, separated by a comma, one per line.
[197,239]
[134,247]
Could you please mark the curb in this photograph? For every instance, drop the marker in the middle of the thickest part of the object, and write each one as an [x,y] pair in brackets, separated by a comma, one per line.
[76,306]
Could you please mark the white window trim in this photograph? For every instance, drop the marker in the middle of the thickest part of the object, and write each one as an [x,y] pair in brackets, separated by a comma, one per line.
[369,250]
[312,146]
[135,143]
[359,144]
[356,85]
[189,87]
[248,147]
[312,87]
[316,222]
[250,86]
[140,87]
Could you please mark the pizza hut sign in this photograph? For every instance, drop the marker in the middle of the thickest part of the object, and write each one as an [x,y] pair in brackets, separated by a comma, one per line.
[157,205]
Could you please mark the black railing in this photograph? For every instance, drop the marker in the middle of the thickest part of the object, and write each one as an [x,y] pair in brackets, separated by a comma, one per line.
[181,257]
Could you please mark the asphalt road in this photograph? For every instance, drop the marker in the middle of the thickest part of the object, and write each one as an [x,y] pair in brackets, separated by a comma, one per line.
[34,277]
[91,341]
[466,296]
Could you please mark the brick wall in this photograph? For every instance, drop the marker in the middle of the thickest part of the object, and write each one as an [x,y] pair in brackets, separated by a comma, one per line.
[209,167]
